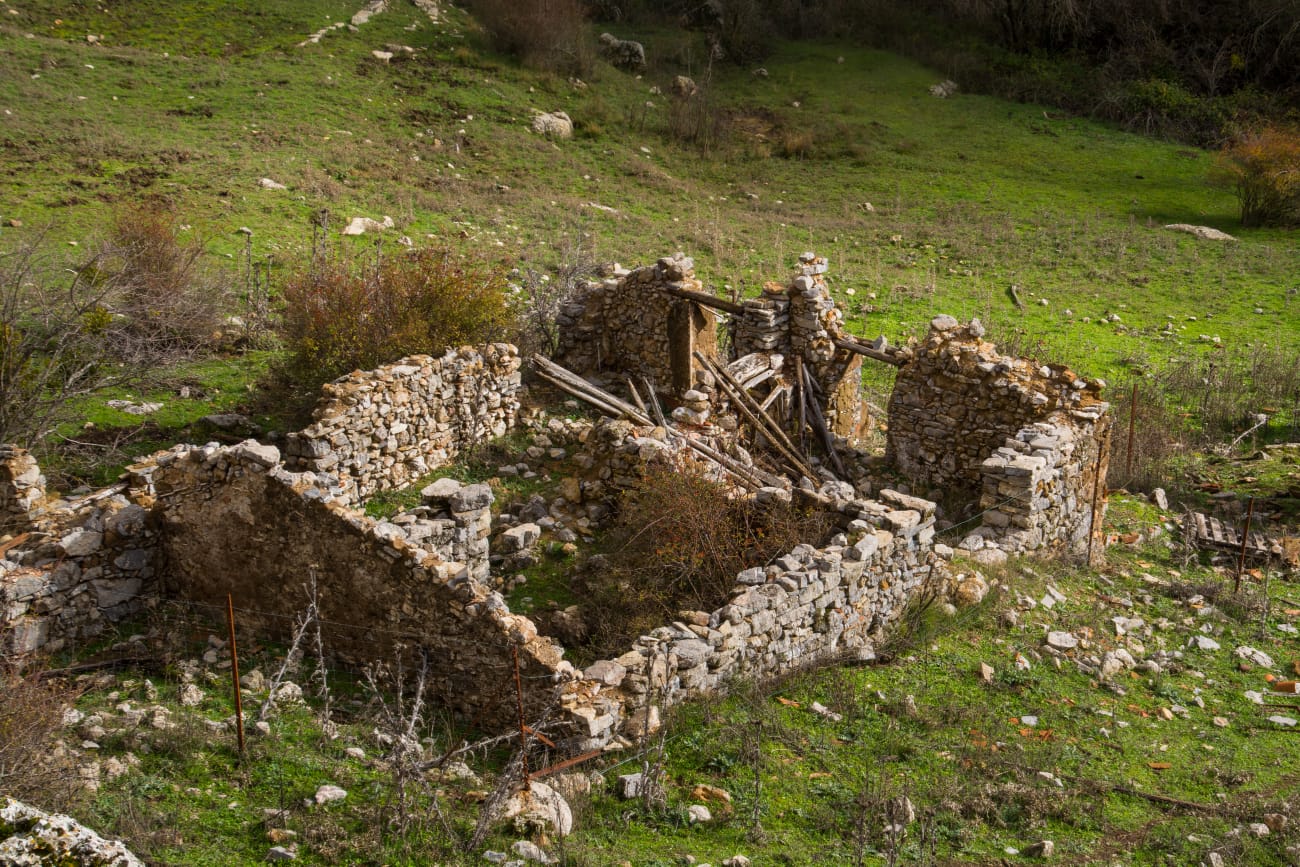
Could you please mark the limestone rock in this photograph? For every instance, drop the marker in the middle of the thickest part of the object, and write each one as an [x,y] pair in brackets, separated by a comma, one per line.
[539,808]
[1203,233]
[29,836]
[556,124]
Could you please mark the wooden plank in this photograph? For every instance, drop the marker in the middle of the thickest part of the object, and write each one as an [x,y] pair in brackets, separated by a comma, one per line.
[750,365]
[13,543]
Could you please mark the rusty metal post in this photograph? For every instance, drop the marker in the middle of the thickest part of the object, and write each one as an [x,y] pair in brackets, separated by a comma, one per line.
[1245,540]
[1132,421]
[523,727]
[234,672]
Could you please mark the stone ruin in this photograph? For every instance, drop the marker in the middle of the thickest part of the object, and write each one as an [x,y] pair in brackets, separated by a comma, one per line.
[1023,447]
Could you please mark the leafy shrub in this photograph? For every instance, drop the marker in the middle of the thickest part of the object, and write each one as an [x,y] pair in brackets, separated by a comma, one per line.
[545,33]
[679,541]
[1264,167]
[337,318]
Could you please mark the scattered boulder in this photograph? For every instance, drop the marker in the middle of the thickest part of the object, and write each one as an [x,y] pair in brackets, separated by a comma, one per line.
[970,589]
[684,87]
[943,89]
[361,225]
[329,793]
[1062,640]
[1203,233]
[623,53]
[34,837]
[539,808]
[555,124]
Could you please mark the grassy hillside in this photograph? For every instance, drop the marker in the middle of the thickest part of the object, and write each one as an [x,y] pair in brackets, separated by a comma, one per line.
[922,205]
[970,194]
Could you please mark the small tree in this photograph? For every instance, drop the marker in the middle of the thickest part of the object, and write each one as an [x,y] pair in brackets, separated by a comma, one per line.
[1264,168]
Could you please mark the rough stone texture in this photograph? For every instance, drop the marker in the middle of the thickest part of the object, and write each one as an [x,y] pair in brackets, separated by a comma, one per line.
[1039,486]
[230,524]
[623,53]
[628,325]
[1023,441]
[90,564]
[22,487]
[385,428]
[813,605]
[801,318]
[31,838]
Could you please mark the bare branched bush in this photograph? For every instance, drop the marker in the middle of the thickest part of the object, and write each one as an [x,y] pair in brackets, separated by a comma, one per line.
[33,767]
[539,299]
[165,304]
[53,324]
[548,34]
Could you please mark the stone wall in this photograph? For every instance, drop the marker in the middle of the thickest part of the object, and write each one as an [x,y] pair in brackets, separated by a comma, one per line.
[630,326]
[1023,442]
[385,428]
[235,521]
[22,487]
[1039,488]
[811,606]
[91,563]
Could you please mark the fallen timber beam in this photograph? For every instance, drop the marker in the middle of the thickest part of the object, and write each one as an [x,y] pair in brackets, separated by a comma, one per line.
[862,349]
[707,300]
[845,343]
[567,381]
[750,409]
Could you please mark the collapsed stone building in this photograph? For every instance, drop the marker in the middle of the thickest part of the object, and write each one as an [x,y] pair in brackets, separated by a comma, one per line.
[1018,452]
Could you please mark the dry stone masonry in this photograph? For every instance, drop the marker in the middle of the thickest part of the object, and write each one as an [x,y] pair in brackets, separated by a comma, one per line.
[385,428]
[89,564]
[630,324]
[22,487]
[1023,445]
[1024,442]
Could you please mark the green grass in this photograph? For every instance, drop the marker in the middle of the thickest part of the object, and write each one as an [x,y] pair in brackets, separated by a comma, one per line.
[972,194]
[95,449]
[924,726]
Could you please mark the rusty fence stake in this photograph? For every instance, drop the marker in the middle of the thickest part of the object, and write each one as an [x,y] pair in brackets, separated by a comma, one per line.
[523,727]
[234,672]
[1245,540]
